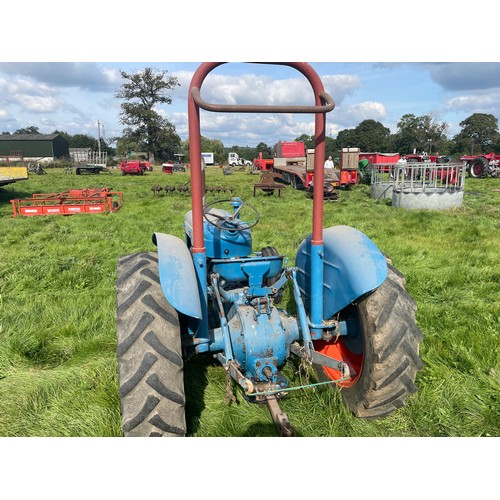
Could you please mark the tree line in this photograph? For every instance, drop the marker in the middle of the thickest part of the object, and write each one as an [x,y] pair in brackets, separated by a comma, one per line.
[146,130]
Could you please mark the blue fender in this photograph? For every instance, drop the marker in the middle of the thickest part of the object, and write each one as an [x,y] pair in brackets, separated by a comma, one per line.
[352,267]
[177,275]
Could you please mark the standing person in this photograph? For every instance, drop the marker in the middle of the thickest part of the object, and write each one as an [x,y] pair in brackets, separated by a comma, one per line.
[329,163]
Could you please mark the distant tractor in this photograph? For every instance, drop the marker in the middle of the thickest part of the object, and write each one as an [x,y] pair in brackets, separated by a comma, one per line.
[482,165]
[211,294]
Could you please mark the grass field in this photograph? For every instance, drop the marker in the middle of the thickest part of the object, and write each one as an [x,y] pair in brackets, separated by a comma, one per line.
[58,371]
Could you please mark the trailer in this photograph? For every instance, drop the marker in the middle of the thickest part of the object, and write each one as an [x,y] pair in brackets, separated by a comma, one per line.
[90,168]
[296,166]
[9,175]
[134,167]
[73,201]
[380,158]
[294,163]
[209,158]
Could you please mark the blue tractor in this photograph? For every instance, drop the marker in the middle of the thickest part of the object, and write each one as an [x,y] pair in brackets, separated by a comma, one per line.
[211,293]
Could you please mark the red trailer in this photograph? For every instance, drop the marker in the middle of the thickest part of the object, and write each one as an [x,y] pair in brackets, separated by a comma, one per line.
[380,158]
[134,167]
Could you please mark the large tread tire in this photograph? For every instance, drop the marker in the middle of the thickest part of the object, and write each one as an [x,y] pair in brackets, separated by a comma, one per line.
[149,355]
[391,361]
[391,350]
[478,168]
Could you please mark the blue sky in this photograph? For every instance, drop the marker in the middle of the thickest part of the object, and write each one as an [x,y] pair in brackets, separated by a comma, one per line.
[376,61]
[73,96]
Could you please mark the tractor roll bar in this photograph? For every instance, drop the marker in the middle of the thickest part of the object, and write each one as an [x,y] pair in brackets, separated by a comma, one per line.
[255,108]
[323,104]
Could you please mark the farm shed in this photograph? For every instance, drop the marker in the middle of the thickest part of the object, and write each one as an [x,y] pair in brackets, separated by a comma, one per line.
[33,147]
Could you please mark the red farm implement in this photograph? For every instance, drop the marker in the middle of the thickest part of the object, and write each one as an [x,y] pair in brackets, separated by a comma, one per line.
[74,201]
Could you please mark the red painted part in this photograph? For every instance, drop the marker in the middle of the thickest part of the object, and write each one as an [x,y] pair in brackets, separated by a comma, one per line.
[167,168]
[339,351]
[197,180]
[380,157]
[292,149]
[420,158]
[489,156]
[263,163]
[69,202]
[348,177]
[309,179]
[134,167]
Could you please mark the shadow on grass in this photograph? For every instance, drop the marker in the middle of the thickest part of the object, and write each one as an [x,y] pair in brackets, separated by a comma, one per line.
[195,383]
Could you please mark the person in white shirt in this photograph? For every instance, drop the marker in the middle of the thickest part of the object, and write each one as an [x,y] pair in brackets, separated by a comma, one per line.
[329,163]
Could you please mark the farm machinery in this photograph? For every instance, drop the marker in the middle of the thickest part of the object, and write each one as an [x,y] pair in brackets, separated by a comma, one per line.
[482,165]
[73,201]
[211,294]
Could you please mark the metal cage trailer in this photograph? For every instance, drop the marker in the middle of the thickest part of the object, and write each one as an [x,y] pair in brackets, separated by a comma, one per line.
[74,201]
[211,294]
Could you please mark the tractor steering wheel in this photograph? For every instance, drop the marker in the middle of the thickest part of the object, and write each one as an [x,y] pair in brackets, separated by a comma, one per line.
[230,222]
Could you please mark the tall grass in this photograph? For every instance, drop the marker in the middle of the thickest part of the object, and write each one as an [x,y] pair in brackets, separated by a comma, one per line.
[58,374]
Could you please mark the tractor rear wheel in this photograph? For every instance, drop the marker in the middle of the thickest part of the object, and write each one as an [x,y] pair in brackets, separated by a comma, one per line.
[149,355]
[478,167]
[382,346]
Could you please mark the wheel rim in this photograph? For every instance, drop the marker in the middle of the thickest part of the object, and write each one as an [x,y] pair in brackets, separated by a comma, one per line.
[347,348]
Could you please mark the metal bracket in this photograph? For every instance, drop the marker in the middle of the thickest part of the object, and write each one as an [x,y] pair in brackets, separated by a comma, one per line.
[320,359]
[280,418]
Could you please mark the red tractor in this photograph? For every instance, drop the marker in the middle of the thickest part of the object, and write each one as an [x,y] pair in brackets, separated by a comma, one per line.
[482,165]
[426,158]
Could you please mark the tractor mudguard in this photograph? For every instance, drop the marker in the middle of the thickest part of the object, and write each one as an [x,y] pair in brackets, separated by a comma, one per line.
[177,275]
[353,266]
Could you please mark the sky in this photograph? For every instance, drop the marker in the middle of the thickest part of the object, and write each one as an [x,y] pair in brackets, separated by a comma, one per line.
[74,96]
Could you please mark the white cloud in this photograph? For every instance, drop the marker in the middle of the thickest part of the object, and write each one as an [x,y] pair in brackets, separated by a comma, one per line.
[22,86]
[261,89]
[475,103]
[111,76]
[250,129]
[37,104]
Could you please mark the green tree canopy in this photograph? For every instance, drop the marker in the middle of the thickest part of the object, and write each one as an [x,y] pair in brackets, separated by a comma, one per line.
[369,135]
[142,93]
[267,151]
[420,133]
[28,130]
[479,134]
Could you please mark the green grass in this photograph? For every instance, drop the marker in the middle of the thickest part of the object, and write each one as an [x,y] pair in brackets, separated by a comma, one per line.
[58,373]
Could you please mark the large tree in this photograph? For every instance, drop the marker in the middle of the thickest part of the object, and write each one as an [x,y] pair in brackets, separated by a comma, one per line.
[330,144]
[420,133]
[479,134]
[142,93]
[369,135]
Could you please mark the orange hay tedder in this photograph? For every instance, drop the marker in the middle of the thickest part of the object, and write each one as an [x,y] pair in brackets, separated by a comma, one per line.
[74,201]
